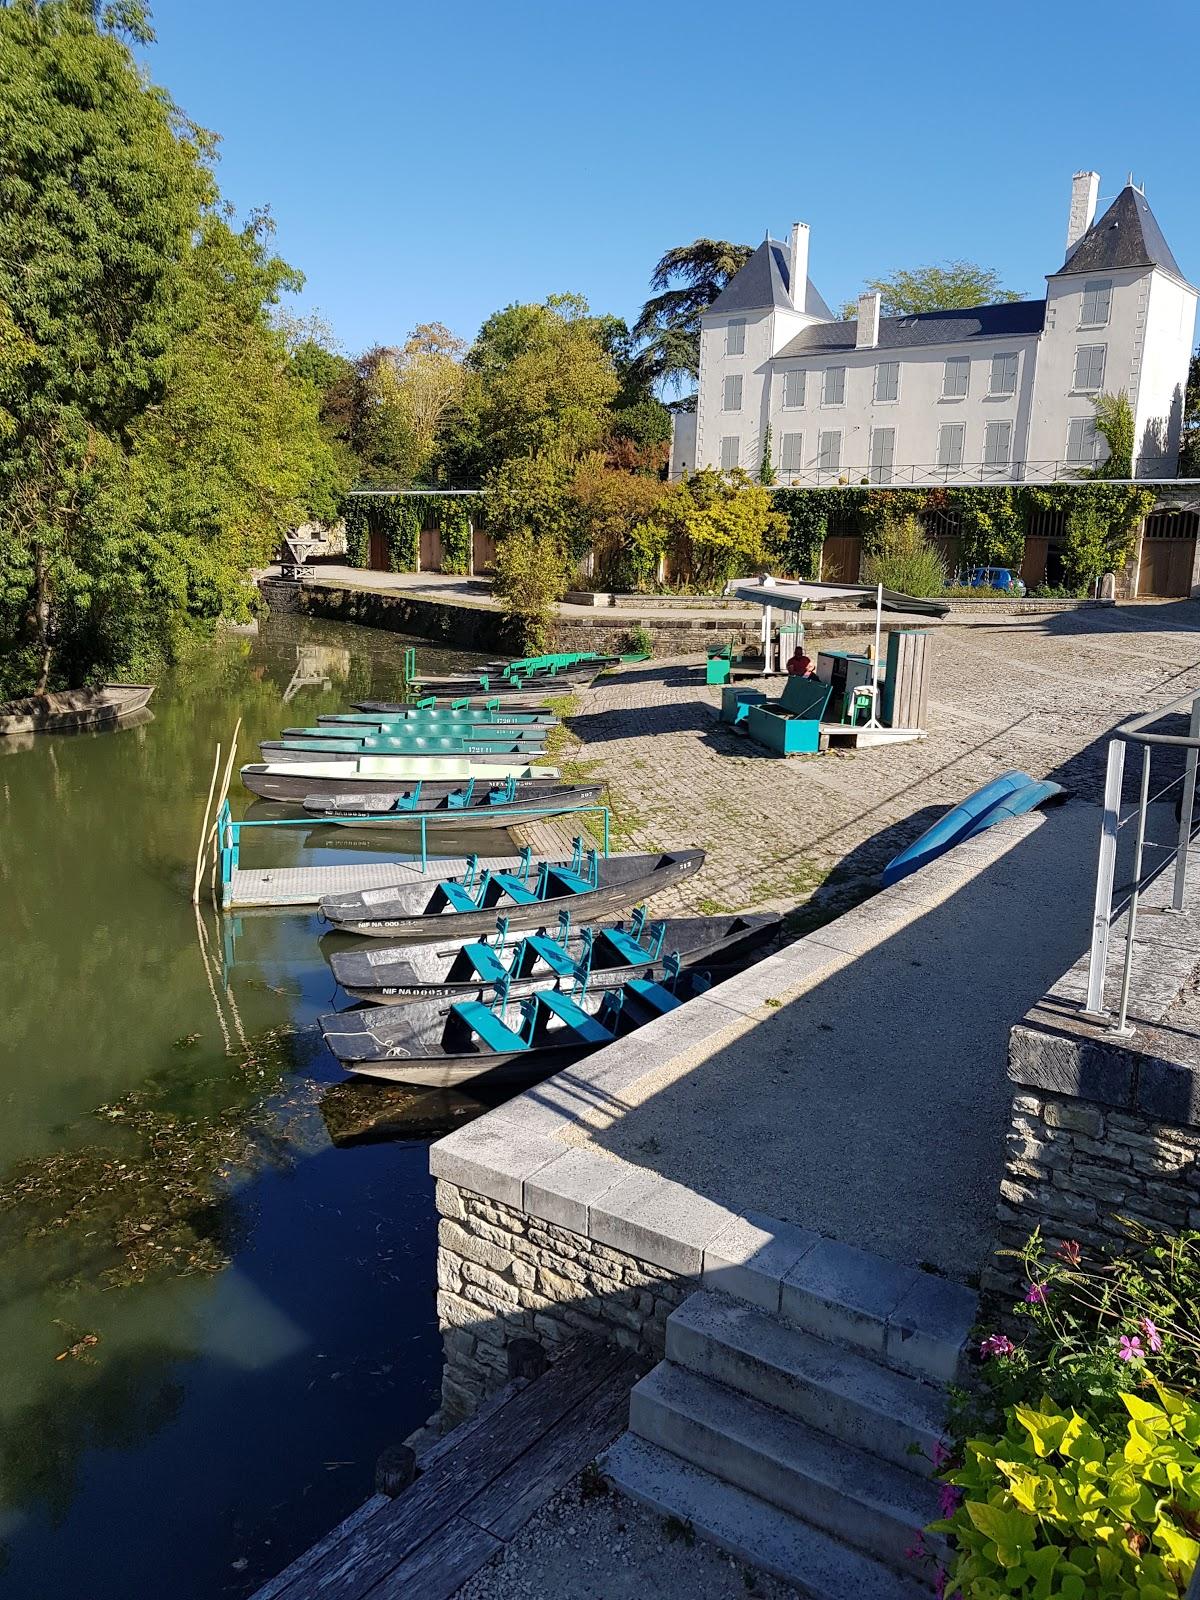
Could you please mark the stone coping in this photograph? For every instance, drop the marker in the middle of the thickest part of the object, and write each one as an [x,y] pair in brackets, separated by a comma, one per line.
[1154,1070]
[528,1153]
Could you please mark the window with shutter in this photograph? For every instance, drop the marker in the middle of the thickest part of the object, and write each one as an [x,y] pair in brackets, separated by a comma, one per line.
[997,444]
[887,381]
[1004,375]
[791,452]
[731,399]
[1089,367]
[956,377]
[1097,303]
[951,440]
[731,449]
[1081,440]
[829,451]
[735,336]
[883,454]
[833,392]
[793,389]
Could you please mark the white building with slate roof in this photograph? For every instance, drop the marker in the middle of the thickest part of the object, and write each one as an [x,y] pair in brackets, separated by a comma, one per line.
[994,393]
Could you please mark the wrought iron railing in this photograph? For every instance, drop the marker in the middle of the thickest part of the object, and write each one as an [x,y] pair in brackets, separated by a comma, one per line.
[1113,900]
[935,473]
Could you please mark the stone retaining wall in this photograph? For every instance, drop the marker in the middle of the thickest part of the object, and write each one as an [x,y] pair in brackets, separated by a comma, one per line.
[470,627]
[504,1274]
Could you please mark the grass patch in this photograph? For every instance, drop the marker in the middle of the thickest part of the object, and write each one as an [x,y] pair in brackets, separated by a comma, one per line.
[709,907]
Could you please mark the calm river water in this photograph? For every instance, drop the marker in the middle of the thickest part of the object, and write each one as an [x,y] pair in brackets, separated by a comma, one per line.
[216,1278]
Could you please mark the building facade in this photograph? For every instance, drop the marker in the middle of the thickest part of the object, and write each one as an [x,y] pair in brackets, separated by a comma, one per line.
[997,393]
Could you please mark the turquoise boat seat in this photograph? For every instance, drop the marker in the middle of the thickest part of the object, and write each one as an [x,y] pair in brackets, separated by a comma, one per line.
[493,1030]
[459,896]
[483,958]
[654,994]
[627,947]
[552,953]
[574,882]
[583,1023]
[515,889]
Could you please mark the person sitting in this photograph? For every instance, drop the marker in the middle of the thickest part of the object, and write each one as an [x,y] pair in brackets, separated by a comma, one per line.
[799,665]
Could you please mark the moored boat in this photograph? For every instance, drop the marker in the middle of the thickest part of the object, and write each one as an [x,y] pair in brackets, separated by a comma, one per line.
[68,710]
[531,897]
[501,1042]
[631,947]
[504,750]
[473,806]
[294,780]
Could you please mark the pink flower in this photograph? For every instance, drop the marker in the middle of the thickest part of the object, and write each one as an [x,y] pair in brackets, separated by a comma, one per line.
[1131,1349]
[996,1345]
[939,1455]
[1036,1295]
[1069,1252]
[916,1550]
[948,1497]
[1153,1337]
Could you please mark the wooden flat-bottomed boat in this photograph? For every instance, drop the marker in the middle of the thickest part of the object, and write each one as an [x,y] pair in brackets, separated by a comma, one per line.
[589,887]
[505,750]
[295,780]
[70,710]
[392,975]
[473,806]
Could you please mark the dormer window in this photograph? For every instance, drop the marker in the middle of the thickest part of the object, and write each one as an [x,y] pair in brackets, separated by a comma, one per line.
[1096,305]
[735,336]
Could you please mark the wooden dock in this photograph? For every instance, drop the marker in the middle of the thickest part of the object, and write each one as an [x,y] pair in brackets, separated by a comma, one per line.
[476,1488]
[251,887]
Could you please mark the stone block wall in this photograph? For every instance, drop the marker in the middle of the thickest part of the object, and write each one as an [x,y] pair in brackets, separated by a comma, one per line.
[1074,1167]
[503,1274]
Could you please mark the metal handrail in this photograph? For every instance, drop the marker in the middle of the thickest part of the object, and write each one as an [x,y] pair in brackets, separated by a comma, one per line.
[1136,732]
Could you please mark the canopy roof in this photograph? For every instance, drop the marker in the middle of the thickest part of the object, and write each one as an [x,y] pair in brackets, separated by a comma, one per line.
[785,594]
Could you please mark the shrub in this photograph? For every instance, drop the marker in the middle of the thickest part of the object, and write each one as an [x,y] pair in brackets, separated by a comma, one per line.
[531,575]
[639,640]
[1050,1508]
[711,527]
[905,560]
[607,506]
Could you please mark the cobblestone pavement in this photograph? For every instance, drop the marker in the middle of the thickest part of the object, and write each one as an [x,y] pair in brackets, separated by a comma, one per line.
[1038,693]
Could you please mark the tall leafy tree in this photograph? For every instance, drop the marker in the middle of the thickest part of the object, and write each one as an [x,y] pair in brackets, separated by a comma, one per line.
[953,286]
[688,278]
[156,441]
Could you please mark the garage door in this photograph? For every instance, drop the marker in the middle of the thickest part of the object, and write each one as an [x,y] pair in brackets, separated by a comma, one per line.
[1168,556]
[841,559]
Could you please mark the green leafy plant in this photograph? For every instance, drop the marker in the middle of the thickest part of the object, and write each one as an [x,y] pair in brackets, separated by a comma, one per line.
[905,560]
[1051,1508]
[639,640]
[710,527]
[1115,425]
[766,470]
[531,576]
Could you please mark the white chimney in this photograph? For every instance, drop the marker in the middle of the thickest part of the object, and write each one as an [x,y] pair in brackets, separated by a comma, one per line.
[798,265]
[868,321]
[1085,186]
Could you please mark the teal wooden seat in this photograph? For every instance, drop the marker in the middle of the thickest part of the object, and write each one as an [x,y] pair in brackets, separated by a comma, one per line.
[492,1029]
[515,889]
[573,882]
[459,896]
[576,1018]
[486,963]
[552,953]
[626,946]
[459,799]
[654,994]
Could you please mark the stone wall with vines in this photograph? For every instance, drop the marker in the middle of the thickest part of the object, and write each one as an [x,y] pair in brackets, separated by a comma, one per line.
[400,518]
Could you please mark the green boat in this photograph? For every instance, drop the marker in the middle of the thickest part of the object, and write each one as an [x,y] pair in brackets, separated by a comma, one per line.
[484,732]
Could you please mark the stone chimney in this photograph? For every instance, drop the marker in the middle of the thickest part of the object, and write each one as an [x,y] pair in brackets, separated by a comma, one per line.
[868,321]
[798,265]
[1085,186]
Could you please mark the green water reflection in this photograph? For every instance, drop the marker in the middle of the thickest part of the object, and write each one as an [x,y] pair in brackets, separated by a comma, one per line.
[211,1315]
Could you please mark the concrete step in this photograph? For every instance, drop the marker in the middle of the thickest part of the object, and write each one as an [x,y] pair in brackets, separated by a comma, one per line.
[762,1535]
[869,1503]
[835,1390]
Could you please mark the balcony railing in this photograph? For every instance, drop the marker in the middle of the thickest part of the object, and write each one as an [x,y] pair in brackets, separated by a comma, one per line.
[933,473]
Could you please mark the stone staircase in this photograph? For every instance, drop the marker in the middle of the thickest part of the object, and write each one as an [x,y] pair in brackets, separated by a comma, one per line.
[801,1445]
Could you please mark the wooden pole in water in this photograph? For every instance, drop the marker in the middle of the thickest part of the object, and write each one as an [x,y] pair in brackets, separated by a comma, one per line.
[225,782]
[212,783]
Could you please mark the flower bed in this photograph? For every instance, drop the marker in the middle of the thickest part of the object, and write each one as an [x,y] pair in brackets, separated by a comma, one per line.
[1076,1466]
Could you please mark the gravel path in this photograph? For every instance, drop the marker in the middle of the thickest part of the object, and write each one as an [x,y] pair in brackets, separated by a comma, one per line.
[601,1546]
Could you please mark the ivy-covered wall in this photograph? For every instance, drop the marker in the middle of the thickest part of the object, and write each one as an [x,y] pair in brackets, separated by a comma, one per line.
[400,518]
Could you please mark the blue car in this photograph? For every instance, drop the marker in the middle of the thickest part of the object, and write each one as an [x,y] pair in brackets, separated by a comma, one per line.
[997,578]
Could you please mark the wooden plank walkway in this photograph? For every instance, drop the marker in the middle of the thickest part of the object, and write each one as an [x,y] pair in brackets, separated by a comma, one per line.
[304,886]
[478,1487]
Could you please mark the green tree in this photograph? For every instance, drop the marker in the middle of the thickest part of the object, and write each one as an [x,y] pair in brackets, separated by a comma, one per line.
[953,286]
[689,278]
[139,473]
[1189,454]
[709,528]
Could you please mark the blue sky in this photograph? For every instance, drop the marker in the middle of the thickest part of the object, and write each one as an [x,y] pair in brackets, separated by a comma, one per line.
[437,161]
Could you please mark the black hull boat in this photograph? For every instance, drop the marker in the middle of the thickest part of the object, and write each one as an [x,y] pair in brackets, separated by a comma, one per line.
[274,751]
[530,699]
[531,897]
[502,1044]
[393,975]
[468,808]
